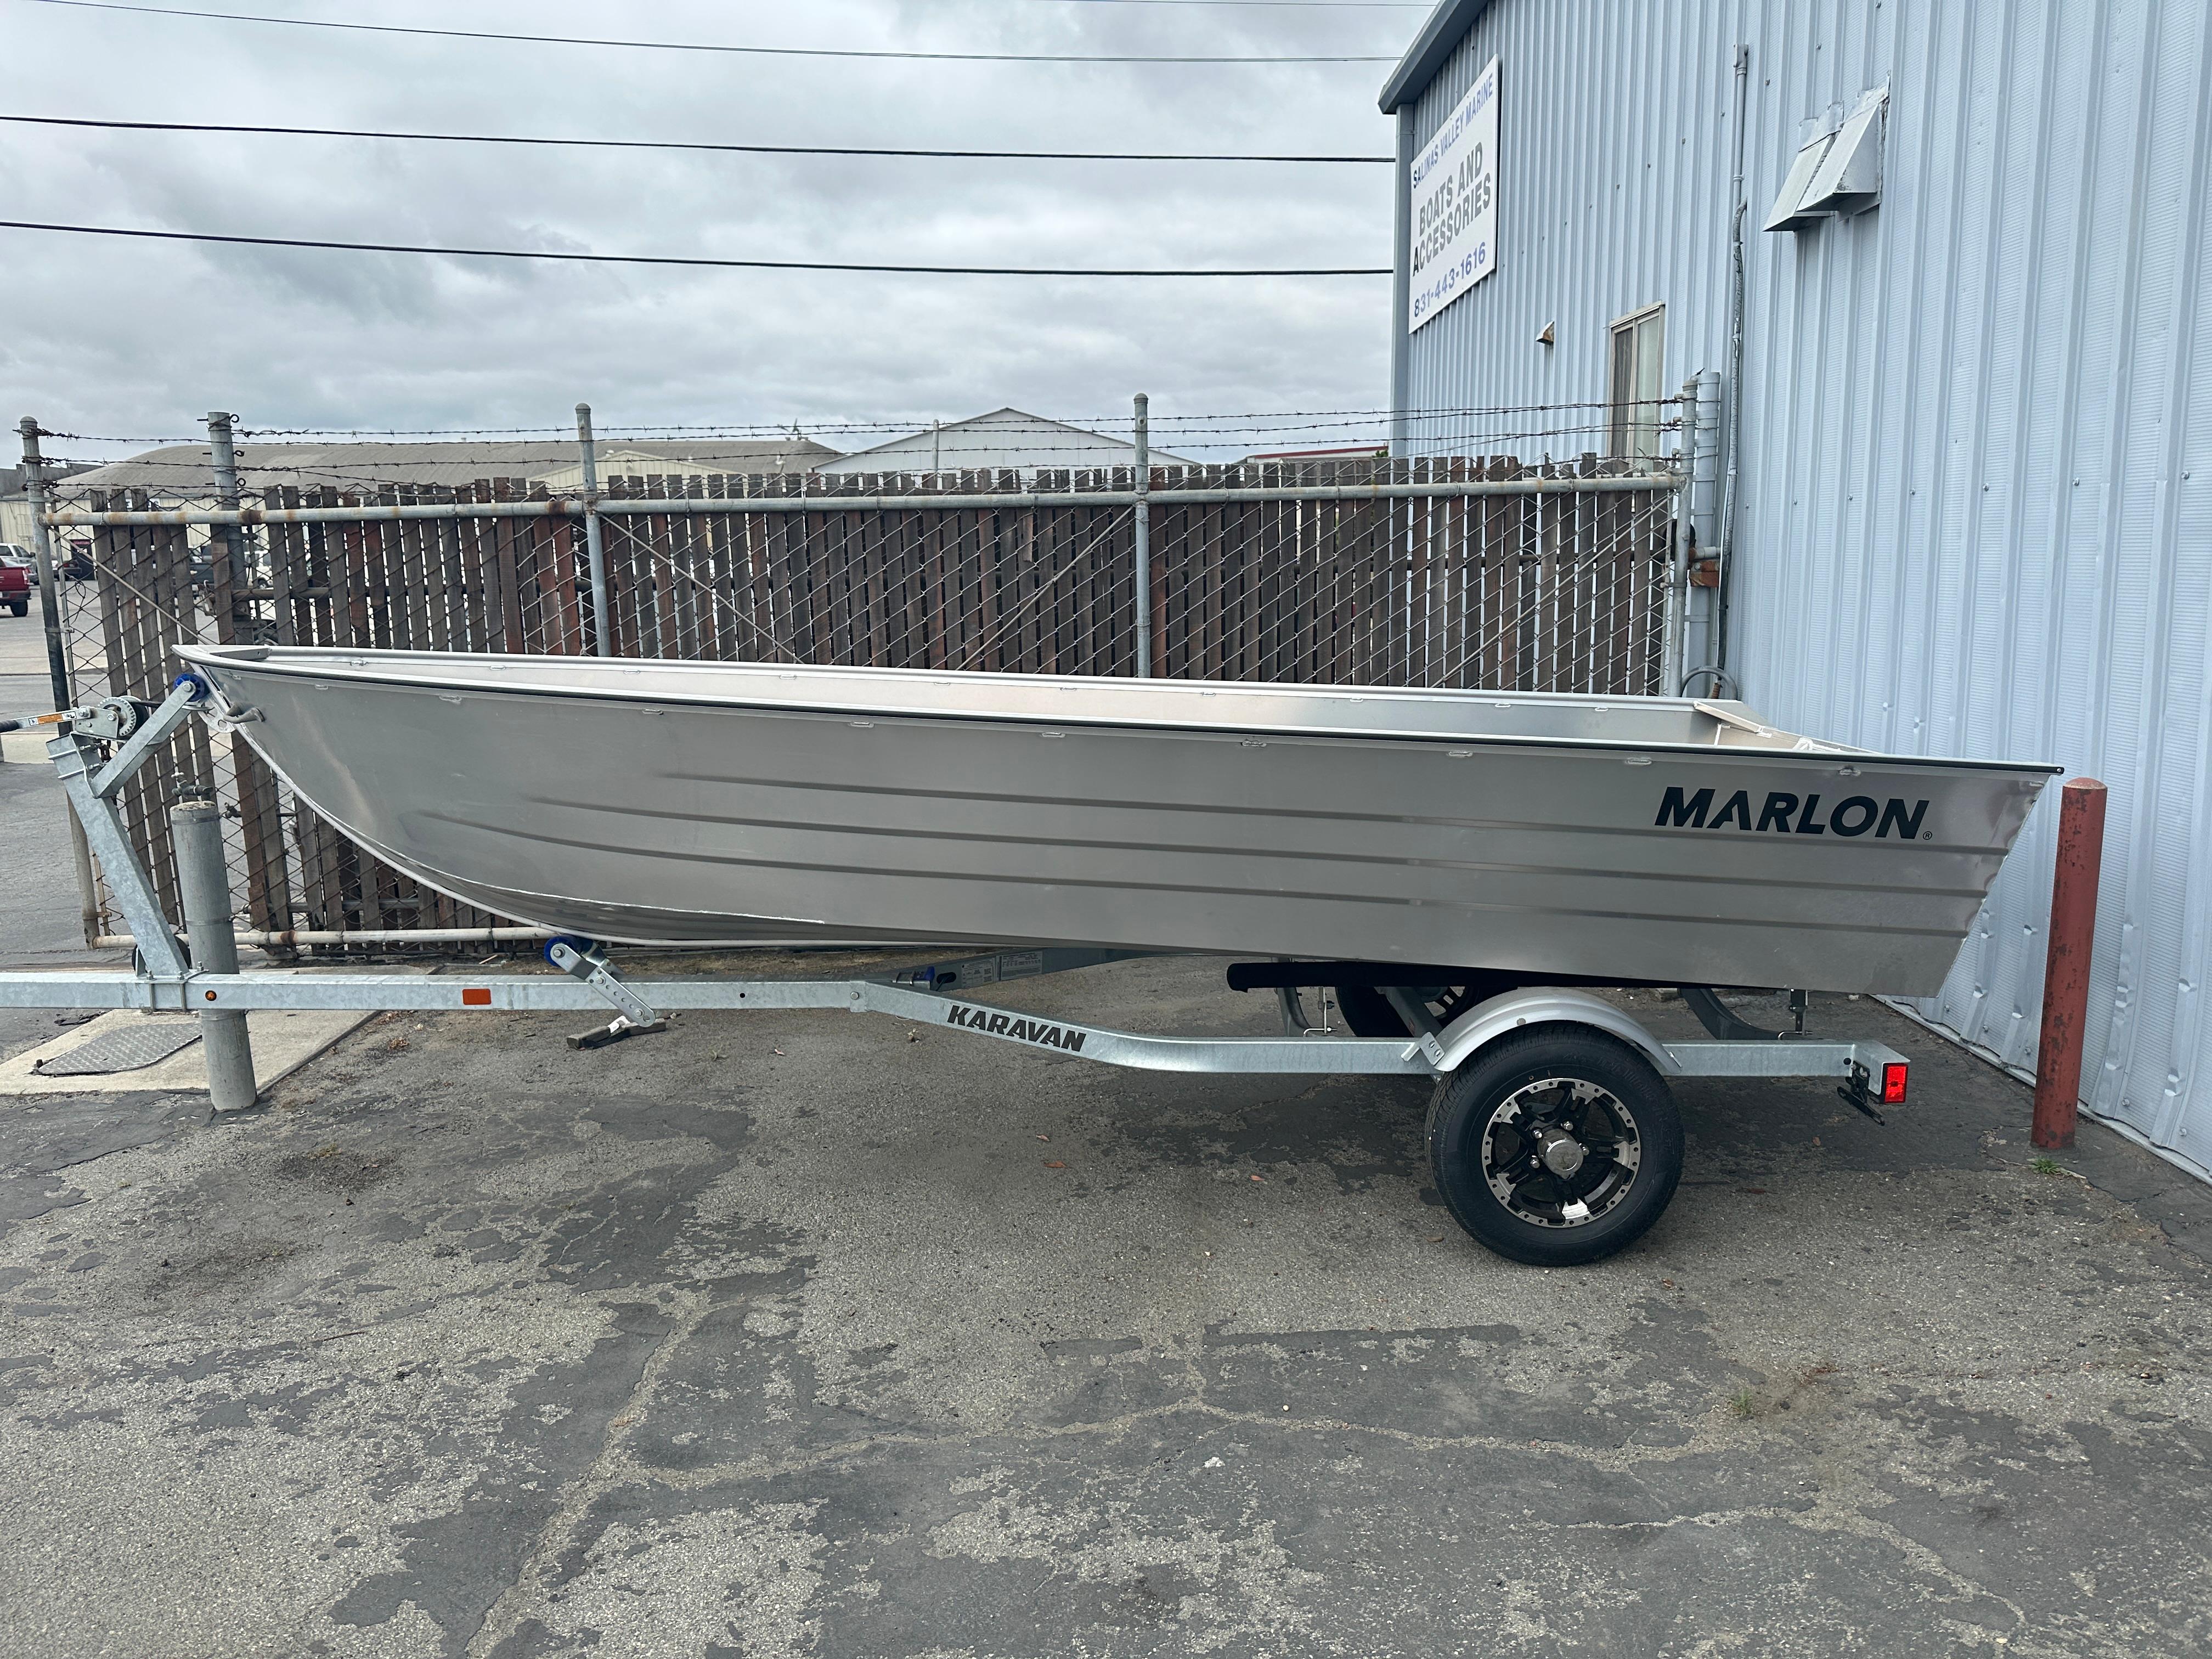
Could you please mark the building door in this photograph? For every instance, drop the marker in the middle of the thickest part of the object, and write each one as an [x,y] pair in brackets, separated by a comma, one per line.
[1633,399]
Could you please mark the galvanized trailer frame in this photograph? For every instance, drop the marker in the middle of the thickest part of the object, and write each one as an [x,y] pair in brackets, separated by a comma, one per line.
[99,746]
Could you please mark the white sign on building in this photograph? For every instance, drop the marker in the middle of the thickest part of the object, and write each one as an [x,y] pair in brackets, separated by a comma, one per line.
[1455,199]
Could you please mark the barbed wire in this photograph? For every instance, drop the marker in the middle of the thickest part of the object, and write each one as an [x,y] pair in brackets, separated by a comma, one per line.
[76,488]
[1219,420]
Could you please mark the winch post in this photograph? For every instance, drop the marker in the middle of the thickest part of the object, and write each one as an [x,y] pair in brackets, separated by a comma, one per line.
[91,786]
[204,875]
[138,740]
[128,884]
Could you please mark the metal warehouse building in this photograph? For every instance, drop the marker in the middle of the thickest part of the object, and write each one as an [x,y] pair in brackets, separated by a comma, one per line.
[1963,386]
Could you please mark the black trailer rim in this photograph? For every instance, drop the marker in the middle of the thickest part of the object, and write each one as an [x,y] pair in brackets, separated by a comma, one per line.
[1561,1153]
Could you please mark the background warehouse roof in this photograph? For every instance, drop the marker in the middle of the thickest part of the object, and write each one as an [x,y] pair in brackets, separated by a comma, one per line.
[183,469]
[1004,438]
[1447,27]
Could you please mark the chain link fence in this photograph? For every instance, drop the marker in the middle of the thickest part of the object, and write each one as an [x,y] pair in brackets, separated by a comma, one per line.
[1478,572]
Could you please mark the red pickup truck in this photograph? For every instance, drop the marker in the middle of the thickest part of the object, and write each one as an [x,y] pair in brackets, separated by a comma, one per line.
[15,579]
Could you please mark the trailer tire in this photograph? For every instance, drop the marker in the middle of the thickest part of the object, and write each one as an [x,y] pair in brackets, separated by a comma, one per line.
[1547,1122]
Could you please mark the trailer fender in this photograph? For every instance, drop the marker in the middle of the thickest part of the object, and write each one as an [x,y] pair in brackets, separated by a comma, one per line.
[1486,1022]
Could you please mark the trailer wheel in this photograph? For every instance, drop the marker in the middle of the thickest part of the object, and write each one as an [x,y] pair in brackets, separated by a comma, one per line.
[1556,1146]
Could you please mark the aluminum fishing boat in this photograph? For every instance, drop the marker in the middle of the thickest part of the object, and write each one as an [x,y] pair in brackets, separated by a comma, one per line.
[1595,838]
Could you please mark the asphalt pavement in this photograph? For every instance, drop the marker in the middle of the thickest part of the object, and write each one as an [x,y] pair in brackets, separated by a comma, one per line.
[801,1333]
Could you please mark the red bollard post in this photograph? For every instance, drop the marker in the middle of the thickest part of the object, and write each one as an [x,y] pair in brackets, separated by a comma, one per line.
[2066,971]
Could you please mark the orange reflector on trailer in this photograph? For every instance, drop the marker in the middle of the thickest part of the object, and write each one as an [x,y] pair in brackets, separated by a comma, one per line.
[479,996]
[1892,1083]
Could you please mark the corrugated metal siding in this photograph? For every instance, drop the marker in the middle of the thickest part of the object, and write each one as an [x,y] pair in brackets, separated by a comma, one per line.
[1977,462]
[1613,114]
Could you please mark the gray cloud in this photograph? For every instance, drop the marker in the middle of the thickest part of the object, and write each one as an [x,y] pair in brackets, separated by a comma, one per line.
[142,338]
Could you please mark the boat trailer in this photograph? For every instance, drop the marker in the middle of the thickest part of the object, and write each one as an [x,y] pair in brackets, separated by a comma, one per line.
[1552,1135]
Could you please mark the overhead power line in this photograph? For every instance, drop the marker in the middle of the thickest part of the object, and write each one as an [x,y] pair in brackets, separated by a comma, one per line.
[701,45]
[660,144]
[1231,420]
[676,259]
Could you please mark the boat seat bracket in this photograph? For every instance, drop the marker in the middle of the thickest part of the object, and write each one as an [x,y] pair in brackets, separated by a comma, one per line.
[580,958]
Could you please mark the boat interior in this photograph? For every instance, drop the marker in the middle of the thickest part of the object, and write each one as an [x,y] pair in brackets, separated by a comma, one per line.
[1366,710]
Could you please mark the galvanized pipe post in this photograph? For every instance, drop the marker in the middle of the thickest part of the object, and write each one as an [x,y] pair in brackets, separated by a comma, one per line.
[49,598]
[595,547]
[2066,965]
[222,460]
[1143,510]
[1724,548]
[1401,284]
[1678,573]
[58,669]
[204,879]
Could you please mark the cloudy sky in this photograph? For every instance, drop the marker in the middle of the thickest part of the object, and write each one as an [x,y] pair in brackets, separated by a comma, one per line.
[129,339]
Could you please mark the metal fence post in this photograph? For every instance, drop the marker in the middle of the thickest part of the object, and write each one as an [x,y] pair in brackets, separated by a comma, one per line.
[49,598]
[1686,533]
[205,881]
[1402,285]
[595,547]
[223,460]
[57,668]
[1143,512]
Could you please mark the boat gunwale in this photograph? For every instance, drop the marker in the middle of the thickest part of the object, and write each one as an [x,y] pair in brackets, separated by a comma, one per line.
[346,662]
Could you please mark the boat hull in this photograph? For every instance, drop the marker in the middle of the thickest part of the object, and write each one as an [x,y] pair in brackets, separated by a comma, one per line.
[644,811]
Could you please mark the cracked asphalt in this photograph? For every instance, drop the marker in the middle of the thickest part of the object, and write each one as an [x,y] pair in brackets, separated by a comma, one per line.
[799,1333]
